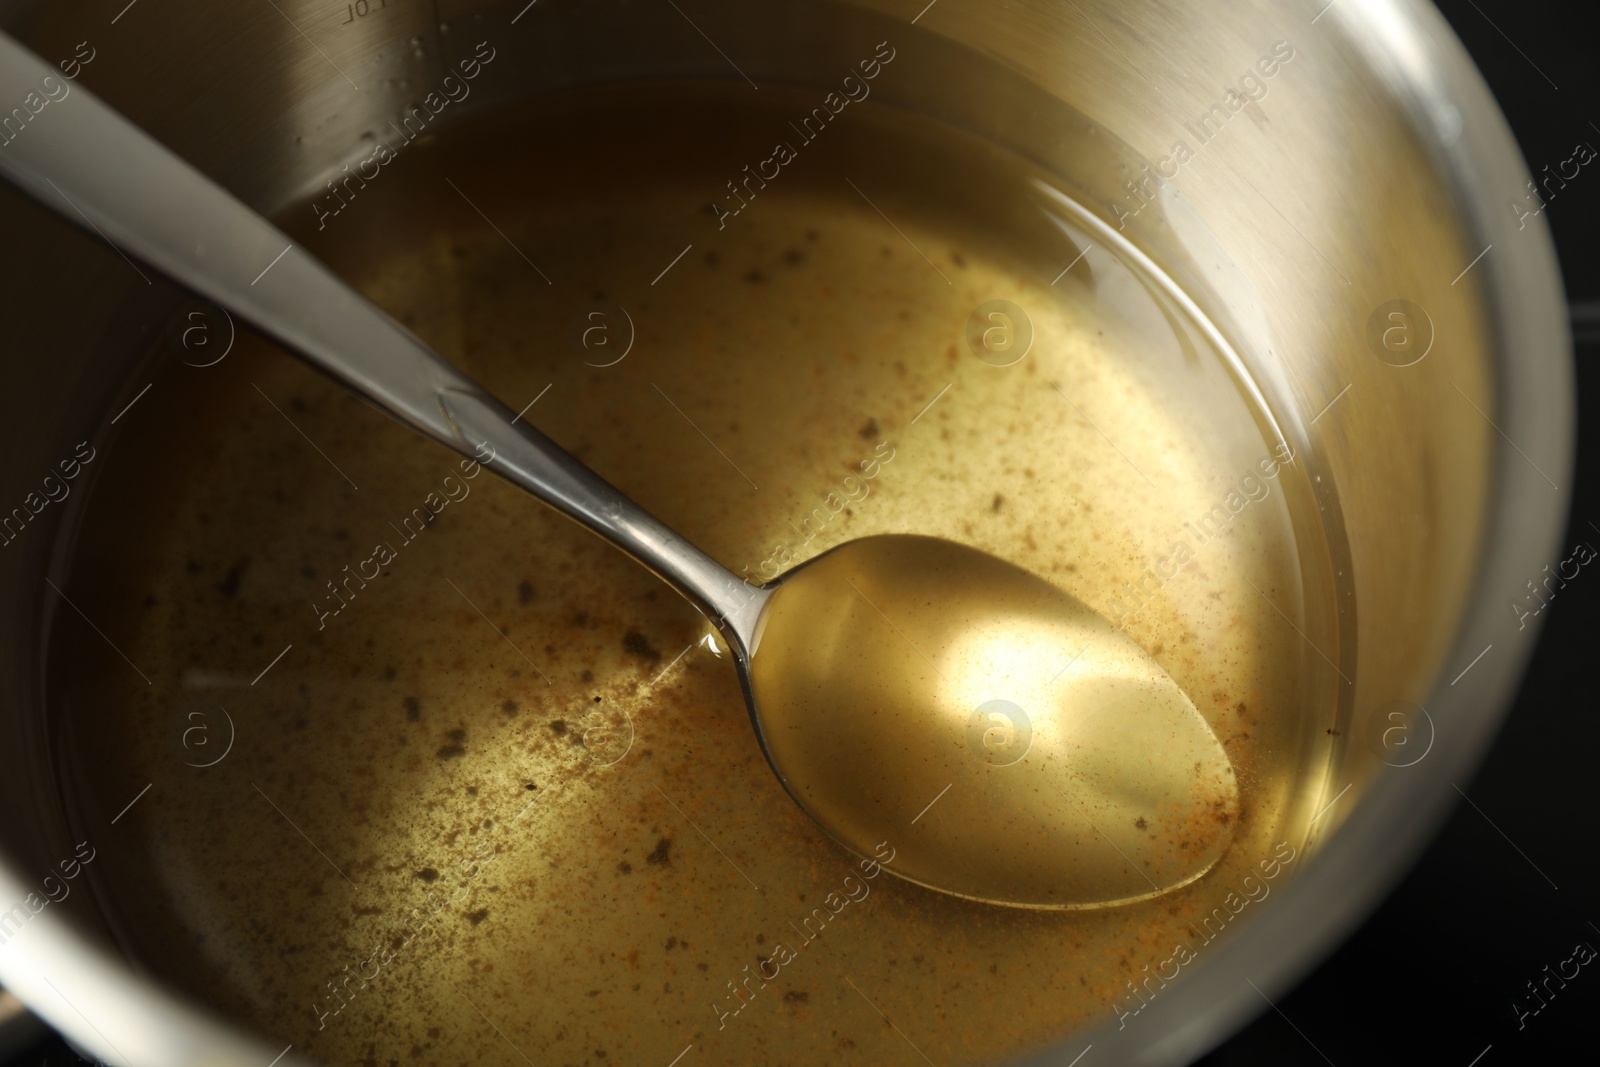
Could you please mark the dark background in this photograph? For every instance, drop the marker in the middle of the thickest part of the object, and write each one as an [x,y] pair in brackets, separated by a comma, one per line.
[1431,976]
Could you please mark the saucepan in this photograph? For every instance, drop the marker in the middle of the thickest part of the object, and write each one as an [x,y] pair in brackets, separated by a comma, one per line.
[1330,183]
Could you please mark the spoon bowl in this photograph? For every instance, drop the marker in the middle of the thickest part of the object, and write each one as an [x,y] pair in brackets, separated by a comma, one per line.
[1006,741]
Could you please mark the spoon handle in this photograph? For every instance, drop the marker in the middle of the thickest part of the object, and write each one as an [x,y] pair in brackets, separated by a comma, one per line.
[84,160]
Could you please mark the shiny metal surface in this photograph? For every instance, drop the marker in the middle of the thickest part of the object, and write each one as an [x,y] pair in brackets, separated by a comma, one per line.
[1374,169]
[166,213]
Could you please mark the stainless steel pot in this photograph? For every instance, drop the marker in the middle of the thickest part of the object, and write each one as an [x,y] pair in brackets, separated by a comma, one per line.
[1359,232]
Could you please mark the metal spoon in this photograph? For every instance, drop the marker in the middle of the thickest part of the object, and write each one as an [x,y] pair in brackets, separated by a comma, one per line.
[909,692]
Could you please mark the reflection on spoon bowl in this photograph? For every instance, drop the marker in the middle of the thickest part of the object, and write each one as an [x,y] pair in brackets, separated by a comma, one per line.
[1006,740]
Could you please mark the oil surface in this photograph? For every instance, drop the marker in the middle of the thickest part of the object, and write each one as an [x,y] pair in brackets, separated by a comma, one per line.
[468,786]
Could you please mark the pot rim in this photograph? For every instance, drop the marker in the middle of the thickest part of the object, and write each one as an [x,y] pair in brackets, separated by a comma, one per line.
[1426,70]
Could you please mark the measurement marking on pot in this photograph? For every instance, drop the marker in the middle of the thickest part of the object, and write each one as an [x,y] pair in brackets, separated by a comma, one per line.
[932,402]
[1080,1056]
[309,441]
[501,632]
[131,803]
[313,44]
[924,11]
[280,1056]
[269,266]
[302,833]
[680,1056]
[490,1021]
[524,11]
[97,630]
[1471,665]
[132,402]
[888,1020]
[1107,440]
[1332,402]
[124,11]
[1324,11]
[1329,805]
[1069,266]
[1469,266]
[530,404]
[97,229]
[501,232]
[702,433]
[1290,1022]
[899,231]
[713,44]
[1479,1056]
[1502,833]
[1502,433]
[708,840]
[931,803]
[1297,630]
[674,263]
[274,663]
